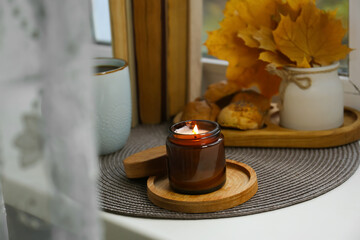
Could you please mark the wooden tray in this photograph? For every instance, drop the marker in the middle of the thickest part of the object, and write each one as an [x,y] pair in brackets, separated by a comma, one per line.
[273,135]
[241,185]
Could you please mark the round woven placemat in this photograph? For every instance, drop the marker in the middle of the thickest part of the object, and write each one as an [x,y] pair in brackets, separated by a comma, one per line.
[285,176]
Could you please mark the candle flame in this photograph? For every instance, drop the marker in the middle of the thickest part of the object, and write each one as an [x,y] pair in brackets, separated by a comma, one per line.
[195,130]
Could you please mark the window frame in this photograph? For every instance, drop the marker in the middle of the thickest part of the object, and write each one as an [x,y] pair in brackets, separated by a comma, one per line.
[354,43]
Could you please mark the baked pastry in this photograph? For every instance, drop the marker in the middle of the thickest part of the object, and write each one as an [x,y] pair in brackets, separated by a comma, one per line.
[250,96]
[219,90]
[200,109]
[246,111]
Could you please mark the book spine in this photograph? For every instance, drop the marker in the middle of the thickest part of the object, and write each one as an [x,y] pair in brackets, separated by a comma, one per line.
[176,55]
[148,31]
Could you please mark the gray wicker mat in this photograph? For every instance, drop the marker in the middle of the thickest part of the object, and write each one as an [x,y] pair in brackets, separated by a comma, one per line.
[285,176]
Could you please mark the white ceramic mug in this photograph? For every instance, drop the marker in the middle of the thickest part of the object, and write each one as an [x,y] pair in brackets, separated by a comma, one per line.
[113,103]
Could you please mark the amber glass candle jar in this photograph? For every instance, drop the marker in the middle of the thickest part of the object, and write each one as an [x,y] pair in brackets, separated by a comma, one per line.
[196,161]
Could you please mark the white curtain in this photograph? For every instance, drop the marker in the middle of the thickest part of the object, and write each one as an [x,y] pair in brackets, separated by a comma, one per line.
[48,163]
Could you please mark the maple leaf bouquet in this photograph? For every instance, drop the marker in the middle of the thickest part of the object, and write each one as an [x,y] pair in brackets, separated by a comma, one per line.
[285,44]
[292,33]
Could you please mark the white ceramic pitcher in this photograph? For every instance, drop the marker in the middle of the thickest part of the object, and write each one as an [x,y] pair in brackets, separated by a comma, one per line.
[319,106]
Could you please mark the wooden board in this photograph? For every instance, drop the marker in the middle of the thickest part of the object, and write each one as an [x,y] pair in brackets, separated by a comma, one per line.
[241,185]
[273,135]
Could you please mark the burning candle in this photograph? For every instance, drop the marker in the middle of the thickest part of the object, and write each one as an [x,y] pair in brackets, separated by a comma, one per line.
[196,157]
[187,130]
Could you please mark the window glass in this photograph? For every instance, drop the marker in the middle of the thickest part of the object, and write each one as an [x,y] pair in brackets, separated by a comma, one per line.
[342,7]
[213,14]
[101,21]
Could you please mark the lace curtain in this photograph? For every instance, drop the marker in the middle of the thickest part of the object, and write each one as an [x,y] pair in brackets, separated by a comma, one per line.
[48,163]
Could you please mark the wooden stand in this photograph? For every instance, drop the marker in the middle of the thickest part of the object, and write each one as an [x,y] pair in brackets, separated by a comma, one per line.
[240,186]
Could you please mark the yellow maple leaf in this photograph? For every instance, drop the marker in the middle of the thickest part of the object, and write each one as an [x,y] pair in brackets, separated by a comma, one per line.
[265,38]
[315,36]
[296,4]
[224,44]
[293,7]
[244,67]
[264,35]
[248,35]
[258,15]
[261,37]
[258,35]
[304,64]
[257,75]
[255,13]
[276,58]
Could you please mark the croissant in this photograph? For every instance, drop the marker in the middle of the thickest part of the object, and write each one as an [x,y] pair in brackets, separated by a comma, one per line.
[219,90]
[247,110]
[200,109]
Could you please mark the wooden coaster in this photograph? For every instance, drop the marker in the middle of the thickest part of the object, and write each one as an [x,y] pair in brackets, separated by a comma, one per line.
[241,185]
